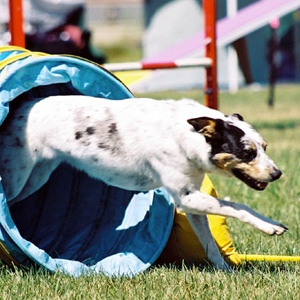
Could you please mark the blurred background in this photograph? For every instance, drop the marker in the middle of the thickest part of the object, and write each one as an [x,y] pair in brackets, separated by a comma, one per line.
[131,30]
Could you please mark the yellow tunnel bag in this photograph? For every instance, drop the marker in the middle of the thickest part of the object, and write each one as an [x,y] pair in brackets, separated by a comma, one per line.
[183,244]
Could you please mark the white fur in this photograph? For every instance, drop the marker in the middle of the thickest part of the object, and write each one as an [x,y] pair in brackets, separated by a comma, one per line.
[135,144]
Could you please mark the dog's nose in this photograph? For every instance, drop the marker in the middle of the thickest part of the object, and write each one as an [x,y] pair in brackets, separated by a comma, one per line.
[276,174]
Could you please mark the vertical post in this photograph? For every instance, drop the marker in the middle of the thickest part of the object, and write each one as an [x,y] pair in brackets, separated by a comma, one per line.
[211,86]
[297,43]
[273,48]
[232,9]
[16,23]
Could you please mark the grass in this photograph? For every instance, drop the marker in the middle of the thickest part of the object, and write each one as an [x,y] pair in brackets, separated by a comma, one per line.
[280,126]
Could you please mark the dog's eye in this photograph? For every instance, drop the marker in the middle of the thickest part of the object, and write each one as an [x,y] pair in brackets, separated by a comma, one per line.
[249,154]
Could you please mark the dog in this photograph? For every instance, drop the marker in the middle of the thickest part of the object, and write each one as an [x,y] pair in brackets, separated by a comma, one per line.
[139,144]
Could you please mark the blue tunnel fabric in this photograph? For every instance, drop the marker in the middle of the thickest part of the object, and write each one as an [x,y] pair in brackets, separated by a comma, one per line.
[74,223]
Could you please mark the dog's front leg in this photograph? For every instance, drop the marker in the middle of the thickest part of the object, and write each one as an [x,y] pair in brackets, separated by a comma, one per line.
[200,203]
[200,226]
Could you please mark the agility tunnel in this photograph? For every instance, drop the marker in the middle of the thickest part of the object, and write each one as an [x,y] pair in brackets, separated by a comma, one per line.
[74,223]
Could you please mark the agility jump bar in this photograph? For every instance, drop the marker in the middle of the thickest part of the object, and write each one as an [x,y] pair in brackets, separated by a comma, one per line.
[257,257]
[204,62]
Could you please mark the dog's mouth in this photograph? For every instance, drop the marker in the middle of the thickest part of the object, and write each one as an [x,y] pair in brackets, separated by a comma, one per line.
[251,182]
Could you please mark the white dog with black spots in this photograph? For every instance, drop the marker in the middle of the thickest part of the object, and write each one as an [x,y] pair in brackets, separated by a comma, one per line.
[139,144]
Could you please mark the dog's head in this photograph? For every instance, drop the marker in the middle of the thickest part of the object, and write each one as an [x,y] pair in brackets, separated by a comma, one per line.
[237,149]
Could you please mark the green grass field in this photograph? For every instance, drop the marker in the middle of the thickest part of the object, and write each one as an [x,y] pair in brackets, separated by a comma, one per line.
[280,126]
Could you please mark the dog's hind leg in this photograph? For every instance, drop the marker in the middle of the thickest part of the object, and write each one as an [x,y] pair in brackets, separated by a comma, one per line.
[38,177]
[200,226]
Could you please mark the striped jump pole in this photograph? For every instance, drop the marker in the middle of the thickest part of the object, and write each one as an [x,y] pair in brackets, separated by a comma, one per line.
[178,63]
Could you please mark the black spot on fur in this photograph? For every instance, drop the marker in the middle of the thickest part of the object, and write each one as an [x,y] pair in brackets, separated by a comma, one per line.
[184,191]
[103,146]
[114,150]
[90,130]
[112,129]
[86,143]
[78,135]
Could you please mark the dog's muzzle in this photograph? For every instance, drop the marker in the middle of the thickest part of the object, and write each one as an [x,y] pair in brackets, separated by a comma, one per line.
[254,183]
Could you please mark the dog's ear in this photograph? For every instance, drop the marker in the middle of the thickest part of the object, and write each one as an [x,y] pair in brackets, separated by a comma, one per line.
[238,116]
[210,128]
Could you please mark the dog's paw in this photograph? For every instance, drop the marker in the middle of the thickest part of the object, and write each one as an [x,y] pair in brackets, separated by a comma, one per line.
[275,229]
[280,229]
